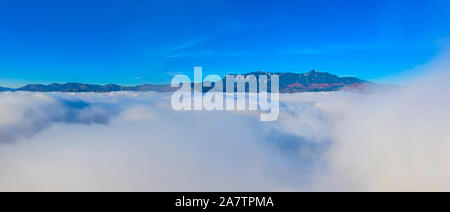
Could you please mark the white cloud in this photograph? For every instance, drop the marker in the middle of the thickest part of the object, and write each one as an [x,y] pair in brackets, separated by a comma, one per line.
[135,142]
[398,141]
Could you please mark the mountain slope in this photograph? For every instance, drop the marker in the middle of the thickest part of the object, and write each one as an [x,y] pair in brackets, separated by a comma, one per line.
[314,81]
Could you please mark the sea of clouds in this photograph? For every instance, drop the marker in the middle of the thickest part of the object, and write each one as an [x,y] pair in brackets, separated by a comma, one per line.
[389,140]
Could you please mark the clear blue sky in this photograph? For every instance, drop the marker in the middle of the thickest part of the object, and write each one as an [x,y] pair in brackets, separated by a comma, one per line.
[147,41]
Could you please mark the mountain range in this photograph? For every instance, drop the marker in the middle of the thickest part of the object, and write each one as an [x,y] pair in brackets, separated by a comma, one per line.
[313,81]
[2,89]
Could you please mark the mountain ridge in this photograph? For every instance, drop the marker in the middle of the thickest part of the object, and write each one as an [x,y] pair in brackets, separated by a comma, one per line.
[2,89]
[312,81]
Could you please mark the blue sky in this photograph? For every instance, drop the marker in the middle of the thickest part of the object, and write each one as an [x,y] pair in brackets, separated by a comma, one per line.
[135,42]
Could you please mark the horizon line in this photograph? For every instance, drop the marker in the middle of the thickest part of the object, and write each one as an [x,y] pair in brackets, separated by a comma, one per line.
[24,84]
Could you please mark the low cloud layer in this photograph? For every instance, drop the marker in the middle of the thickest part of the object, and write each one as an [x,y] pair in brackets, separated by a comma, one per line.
[396,140]
[25,114]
